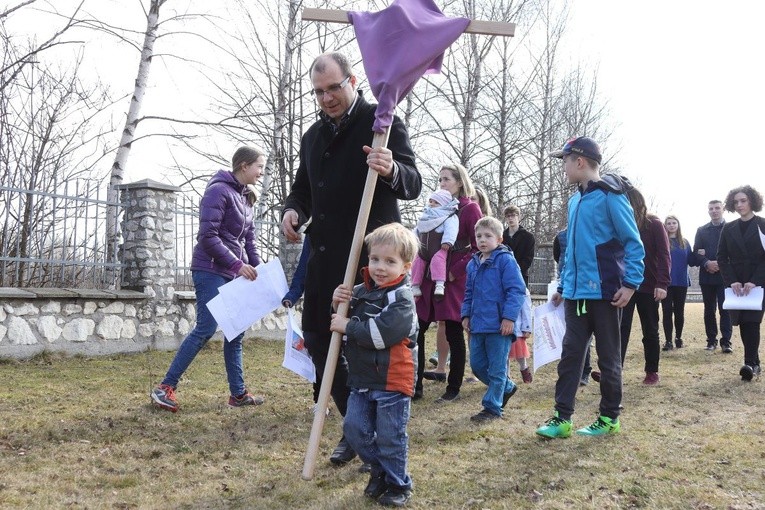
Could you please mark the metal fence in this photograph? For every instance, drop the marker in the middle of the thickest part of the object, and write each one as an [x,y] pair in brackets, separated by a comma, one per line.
[187,226]
[57,239]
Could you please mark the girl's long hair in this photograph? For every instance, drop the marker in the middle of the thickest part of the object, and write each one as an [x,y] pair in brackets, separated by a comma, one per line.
[681,241]
[242,157]
[483,202]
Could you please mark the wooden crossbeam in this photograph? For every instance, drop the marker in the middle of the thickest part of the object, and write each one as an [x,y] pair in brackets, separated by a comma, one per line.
[475,26]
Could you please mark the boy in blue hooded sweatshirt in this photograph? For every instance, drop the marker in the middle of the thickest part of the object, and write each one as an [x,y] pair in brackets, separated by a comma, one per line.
[494,294]
[603,268]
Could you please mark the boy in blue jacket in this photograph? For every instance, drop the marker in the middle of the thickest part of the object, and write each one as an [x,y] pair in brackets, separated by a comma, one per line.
[381,348]
[494,294]
[603,268]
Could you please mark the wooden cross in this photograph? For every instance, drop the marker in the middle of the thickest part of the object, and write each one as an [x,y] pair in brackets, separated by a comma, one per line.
[379,140]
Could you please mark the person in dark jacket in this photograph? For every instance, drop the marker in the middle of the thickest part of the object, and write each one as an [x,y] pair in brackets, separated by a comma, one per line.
[652,290]
[741,255]
[381,348]
[328,187]
[520,241]
[225,249]
[710,279]
[297,285]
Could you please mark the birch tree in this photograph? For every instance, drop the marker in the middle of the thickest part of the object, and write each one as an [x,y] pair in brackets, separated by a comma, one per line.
[117,171]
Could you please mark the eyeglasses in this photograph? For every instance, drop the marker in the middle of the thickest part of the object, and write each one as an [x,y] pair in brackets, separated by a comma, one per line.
[332,89]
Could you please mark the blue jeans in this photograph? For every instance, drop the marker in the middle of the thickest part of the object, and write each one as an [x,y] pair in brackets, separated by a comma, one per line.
[206,287]
[375,427]
[488,359]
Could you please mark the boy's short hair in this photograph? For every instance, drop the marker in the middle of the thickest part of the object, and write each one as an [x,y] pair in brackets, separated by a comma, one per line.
[491,224]
[714,202]
[511,209]
[401,238]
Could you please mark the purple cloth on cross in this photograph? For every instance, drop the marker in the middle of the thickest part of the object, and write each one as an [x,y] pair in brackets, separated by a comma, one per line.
[398,45]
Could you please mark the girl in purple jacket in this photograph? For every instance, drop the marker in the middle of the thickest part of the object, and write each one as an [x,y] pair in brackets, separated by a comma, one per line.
[225,249]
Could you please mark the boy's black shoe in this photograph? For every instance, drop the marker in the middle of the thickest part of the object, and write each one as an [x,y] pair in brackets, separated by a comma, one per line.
[395,496]
[668,346]
[376,486]
[484,416]
[342,454]
[746,373]
[447,397]
[711,345]
[727,348]
[679,343]
[507,395]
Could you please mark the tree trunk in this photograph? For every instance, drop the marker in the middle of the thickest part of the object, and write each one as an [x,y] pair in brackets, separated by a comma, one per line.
[128,133]
[278,154]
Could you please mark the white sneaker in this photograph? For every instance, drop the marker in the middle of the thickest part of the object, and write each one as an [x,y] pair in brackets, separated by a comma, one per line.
[416,291]
[439,291]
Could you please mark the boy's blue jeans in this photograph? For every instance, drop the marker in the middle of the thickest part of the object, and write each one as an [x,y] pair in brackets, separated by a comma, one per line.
[488,359]
[206,287]
[375,427]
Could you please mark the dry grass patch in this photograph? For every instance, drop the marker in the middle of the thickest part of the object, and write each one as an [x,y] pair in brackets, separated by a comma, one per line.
[80,433]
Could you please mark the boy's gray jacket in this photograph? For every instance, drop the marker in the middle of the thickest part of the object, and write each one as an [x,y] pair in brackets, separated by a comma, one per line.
[381,336]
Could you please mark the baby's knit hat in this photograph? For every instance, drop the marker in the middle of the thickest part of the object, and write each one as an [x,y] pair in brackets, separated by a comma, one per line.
[441,196]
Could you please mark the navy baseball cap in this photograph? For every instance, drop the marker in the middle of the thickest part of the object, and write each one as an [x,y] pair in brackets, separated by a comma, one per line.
[581,145]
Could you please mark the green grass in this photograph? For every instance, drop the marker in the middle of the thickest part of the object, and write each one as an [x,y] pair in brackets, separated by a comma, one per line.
[80,433]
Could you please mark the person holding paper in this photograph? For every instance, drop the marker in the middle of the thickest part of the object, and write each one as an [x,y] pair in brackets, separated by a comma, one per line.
[225,249]
[741,257]
[603,268]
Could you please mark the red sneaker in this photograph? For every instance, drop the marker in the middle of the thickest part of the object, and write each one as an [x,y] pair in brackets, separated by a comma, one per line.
[651,378]
[526,374]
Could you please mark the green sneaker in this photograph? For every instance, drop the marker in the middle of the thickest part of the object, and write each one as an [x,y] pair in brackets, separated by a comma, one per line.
[602,426]
[556,427]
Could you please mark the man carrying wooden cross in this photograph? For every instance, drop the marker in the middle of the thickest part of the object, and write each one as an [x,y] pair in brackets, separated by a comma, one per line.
[328,187]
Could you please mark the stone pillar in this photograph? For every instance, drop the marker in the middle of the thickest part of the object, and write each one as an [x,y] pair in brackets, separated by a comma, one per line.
[148,229]
[289,255]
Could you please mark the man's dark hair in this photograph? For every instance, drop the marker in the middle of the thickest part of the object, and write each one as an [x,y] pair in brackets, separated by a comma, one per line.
[319,64]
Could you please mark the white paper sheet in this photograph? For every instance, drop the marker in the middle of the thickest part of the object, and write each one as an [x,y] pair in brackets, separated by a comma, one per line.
[752,301]
[549,328]
[241,302]
[296,357]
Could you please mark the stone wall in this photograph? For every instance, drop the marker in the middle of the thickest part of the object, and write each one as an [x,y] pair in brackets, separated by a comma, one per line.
[147,313]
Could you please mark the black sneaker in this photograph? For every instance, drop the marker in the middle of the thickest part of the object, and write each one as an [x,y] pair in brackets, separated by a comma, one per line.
[484,416]
[678,343]
[726,348]
[756,370]
[448,397]
[711,346]
[376,486]
[342,454]
[395,496]
[668,346]
[509,394]
[747,372]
